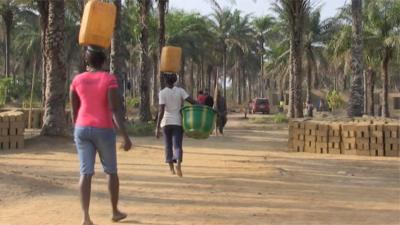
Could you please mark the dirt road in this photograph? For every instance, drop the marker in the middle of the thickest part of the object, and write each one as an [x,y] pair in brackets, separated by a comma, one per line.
[244,178]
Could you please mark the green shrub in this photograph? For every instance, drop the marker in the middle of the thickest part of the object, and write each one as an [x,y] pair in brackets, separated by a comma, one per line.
[132,102]
[334,100]
[141,129]
[280,118]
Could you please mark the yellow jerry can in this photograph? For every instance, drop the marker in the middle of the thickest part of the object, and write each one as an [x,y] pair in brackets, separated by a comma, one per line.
[171,59]
[97,25]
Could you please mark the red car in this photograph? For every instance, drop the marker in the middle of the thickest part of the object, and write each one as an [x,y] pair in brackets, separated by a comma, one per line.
[259,105]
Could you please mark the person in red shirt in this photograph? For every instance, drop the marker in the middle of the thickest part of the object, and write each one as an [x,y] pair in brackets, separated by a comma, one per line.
[201,97]
[95,102]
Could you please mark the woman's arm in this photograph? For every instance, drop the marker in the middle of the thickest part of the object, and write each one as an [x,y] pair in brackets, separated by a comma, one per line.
[75,104]
[116,108]
[191,100]
[160,116]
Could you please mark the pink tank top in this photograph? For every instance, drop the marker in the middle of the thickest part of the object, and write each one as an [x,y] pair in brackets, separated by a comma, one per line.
[92,89]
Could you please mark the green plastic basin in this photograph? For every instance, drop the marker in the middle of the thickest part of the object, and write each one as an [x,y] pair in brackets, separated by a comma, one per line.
[198,121]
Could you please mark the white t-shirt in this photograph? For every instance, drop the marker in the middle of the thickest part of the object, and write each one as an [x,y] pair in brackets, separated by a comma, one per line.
[173,100]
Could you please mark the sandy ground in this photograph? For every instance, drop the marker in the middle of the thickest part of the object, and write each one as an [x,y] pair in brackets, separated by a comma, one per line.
[244,178]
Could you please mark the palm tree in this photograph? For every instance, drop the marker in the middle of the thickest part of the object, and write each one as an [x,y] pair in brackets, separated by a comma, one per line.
[54,115]
[222,25]
[356,94]
[7,10]
[144,109]
[295,13]
[383,29]
[263,28]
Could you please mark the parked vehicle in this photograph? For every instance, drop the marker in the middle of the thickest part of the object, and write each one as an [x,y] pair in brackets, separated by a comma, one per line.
[259,105]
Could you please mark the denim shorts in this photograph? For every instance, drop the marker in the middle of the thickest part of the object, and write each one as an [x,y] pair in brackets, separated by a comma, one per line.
[89,141]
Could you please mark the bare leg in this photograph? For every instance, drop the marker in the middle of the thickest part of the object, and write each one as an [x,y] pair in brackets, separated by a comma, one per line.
[113,188]
[171,168]
[85,184]
[179,169]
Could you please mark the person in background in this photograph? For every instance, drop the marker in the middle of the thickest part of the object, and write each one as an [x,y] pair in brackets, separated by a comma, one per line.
[171,100]
[209,101]
[281,105]
[222,112]
[201,97]
[309,109]
[95,102]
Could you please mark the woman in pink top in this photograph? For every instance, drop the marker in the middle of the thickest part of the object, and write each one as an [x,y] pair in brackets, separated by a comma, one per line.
[95,102]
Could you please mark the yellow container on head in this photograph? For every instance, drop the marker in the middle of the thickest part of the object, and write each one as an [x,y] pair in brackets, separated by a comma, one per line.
[171,59]
[97,25]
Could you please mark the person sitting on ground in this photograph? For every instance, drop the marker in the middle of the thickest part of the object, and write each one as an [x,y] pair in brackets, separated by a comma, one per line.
[95,102]
[171,99]
[222,112]
[201,97]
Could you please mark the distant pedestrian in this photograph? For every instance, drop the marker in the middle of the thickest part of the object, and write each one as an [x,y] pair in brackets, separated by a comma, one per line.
[209,101]
[201,97]
[222,112]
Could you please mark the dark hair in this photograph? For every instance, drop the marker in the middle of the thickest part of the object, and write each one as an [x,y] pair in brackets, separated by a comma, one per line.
[170,78]
[200,92]
[95,57]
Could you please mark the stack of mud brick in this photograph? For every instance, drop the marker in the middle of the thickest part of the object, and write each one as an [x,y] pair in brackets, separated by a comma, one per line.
[348,138]
[296,135]
[362,133]
[334,138]
[322,138]
[12,128]
[310,136]
[392,139]
[377,147]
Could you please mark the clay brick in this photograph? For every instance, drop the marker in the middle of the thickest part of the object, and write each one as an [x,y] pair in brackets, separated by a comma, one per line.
[323,139]
[298,146]
[362,144]
[362,131]
[311,138]
[334,130]
[335,151]
[16,142]
[321,148]
[376,140]
[348,130]
[349,143]
[377,150]
[391,131]
[4,143]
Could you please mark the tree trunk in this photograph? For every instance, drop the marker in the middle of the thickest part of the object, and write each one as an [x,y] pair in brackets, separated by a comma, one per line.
[309,83]
[192,84]
[296,53]
[162,7]
[224,68]
[356,93]
[385,81]
[43,7]
[182,75]
[116,59]
[209,74]
[155,78]
[370,80]
[54,123]
[144,109]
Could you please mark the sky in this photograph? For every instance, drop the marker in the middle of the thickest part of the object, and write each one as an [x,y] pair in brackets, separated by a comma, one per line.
[258,7]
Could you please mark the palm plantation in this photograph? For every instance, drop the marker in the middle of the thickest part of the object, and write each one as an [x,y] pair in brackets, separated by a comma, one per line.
[283,54]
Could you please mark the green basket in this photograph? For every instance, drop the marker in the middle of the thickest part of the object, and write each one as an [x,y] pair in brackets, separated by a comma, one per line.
[198,121]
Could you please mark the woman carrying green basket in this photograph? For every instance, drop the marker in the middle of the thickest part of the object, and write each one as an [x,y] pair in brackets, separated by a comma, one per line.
[171,99]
